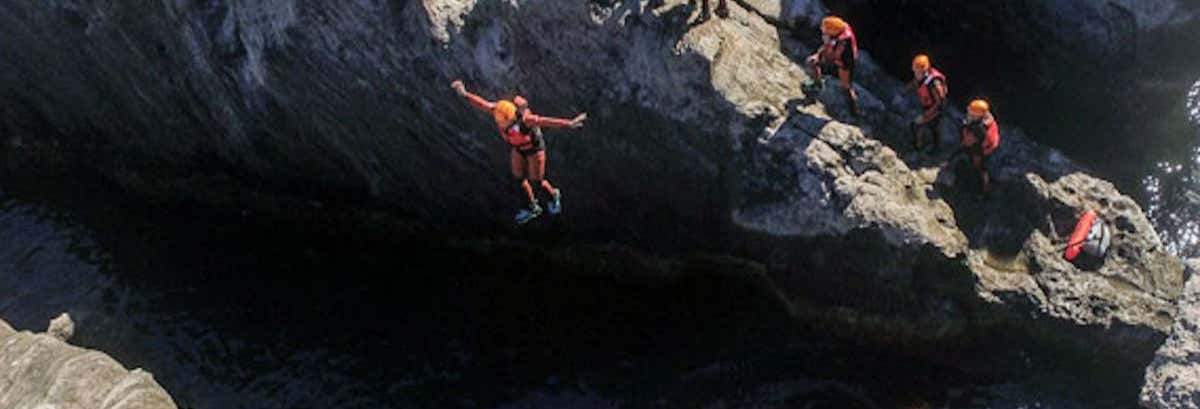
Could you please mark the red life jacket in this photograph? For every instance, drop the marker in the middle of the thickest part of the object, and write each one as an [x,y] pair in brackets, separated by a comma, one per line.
[926,90]
[1091,236]
[846,35]
[991,137]
[519,135]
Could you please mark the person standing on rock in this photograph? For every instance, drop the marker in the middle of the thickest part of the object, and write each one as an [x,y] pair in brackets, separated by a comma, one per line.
[980,138]
[838,53]
[931,89]
[522,129]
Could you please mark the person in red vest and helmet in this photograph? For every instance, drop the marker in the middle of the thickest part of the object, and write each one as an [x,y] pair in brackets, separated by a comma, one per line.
[931,89]
[980,138]
[522,130]
[838,53]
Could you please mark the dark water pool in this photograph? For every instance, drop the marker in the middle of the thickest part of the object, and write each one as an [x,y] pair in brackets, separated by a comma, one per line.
[231,311]
[1173,188]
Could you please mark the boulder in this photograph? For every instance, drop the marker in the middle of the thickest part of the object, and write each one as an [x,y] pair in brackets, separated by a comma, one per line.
[1173,379]
[42,371]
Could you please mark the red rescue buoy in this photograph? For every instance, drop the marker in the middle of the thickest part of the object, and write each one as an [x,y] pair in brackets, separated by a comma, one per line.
[1075,244]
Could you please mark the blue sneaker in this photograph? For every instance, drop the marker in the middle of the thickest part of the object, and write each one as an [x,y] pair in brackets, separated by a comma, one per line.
[555,205]
[526,215]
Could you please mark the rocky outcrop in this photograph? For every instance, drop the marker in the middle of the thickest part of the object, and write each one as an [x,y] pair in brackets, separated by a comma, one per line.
[43,371]
[1136,261]
[1173,379]
[1129,293]
[964,255]
[840,180]
[928,235]
[348,102]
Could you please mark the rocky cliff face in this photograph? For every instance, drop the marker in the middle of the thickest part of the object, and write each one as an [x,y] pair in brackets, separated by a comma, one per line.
[1173,379]
[43,371]
[350,103]
[1071,71]
[290,101]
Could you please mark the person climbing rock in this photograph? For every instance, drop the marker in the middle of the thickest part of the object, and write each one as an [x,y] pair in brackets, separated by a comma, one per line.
[838,53]
[931,89]
[722,9]
[522,130]
[980,138]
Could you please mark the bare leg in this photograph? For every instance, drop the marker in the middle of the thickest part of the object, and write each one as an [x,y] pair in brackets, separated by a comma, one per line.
[518,167]
[917,133]
[529,192]
[852,97]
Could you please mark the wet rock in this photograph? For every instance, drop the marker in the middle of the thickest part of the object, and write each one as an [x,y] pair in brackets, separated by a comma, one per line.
[42,371]
[1173,379]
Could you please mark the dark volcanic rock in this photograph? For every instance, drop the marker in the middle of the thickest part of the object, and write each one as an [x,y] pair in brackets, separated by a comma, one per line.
[288,101]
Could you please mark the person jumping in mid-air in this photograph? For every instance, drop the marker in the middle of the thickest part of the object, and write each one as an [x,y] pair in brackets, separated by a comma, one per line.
[838,52]
[931,89]
[522,129]
[980,136]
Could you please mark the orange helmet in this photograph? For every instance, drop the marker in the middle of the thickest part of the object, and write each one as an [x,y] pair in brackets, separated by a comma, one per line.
[504,113]
[833,25]
[920,62]
[978,107]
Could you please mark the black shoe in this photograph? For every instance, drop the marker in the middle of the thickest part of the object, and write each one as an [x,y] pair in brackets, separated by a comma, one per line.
[723,12]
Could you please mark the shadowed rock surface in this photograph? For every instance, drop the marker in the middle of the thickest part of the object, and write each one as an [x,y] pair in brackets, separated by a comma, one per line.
[288,103]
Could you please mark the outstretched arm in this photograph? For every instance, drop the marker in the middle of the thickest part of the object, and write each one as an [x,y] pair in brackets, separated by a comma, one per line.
[476,101]
[551,122]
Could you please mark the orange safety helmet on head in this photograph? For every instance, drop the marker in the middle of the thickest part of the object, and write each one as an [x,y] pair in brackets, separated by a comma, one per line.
[504,113]
[920,62]
[978,107]
[833,25]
